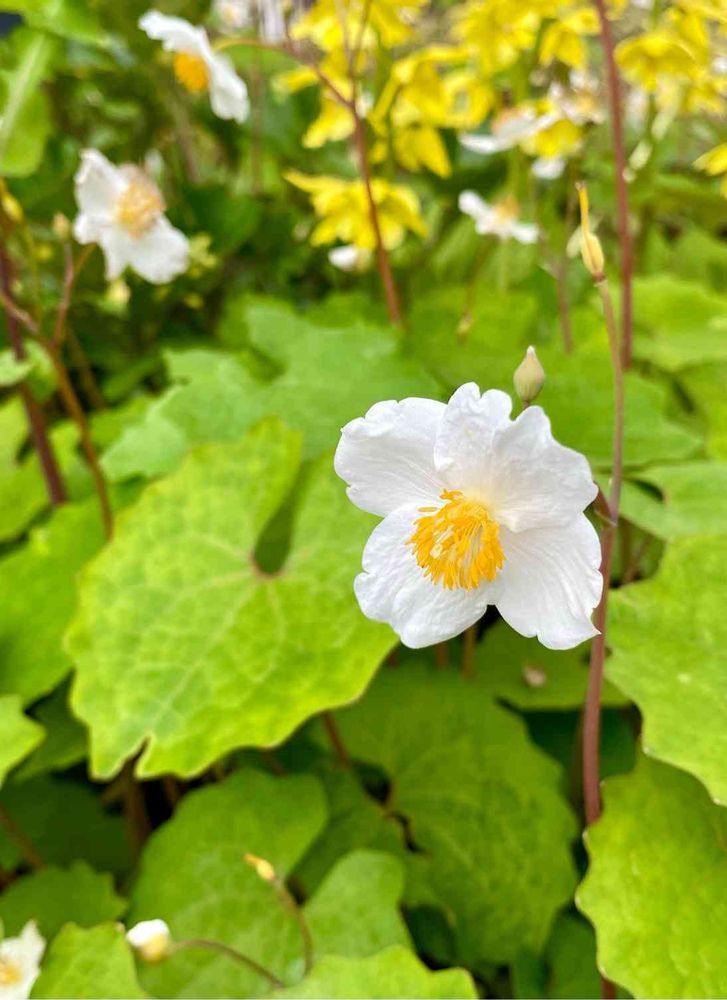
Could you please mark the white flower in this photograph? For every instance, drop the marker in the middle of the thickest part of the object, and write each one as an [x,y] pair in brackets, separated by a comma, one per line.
[197,66]
[151,939]
[350,258]
[20,963]
[478,509]
[266,15]
[122,210]
[499,220]
[548,168]
[509,129]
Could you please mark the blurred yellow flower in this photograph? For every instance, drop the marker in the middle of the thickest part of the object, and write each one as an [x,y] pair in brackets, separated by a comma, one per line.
[649,58]
[564,39]
[343,209]
[714,163]
[335,24]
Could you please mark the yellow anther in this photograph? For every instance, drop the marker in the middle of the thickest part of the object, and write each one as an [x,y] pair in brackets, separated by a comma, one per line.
[10,973]
[457,544]
[140,205]
[191,71]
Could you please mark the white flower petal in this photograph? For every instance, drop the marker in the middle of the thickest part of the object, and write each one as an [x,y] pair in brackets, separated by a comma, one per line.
[176,34]
[532,480]
[524,232]
[228,93]
[548,168]
[387,457]
[394,589]
[24,953]
[160,254]
[485,144]
[99,185]
[479,210]
[551,582]
[465,435]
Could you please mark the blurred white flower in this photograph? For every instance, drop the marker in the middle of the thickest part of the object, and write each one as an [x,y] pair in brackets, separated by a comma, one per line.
[548,168]
[580,101]
[151,939]
[350,258]
[478,509]
[500,219]
[509,129]
[265,15]
[122,210]
[20,963]
[197,66]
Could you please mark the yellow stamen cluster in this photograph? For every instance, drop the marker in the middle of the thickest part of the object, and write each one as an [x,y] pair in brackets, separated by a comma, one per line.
[10,973]
[457,544]
[139,206]
[191,71]
[507,209]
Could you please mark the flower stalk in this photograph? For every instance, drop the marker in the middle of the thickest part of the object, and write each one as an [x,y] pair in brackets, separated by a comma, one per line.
[233,953]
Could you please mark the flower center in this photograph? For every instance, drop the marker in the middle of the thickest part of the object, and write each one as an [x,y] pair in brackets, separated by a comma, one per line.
[139,206]
[507,209]
[457,544]
[191,71]
[10,973]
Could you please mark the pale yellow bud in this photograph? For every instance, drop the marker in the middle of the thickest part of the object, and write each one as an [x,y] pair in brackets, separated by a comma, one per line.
[263,869]
[591,250]
[10,204]
[529,377]
[151,940]
[61,227]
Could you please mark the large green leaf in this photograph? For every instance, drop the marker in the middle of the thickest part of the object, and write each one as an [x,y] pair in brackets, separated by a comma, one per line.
[392,973]
[88,964]
[57,896]
[65,743]
[317,391]
[183,646]
[655,886]
[669,641]
[25,121]
[693,500]
[73,19]
[38,595]
[480,799]
[705,386]
[20,735]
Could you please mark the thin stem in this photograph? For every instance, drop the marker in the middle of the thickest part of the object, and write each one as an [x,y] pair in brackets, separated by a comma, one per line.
[55,486]
[20,839]
[291,904]
[441,654]
[622,197]
[138,826]
[85,372]
[335,737]
[233,953]
[632,568]
[75,411]
[469,645]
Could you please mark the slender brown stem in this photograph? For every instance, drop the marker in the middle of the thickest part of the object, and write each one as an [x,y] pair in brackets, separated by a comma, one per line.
[138,825]
[291,904]
[469,645]
[632,567]
[85,372]
[441,654]
[335,737]
[75,411]
[20,839]
[622,197]
[57,493]
[233,953]
[171,789]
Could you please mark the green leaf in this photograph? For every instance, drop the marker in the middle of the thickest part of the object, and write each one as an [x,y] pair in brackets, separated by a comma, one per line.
[480,800]
[20,734]
[57,896]
[38,595]
[65,742]
[525,674]
[12,371]
[705,386]
[317,391]
[220,896]
[693,500]
[681,322]
[392,973]
[183,646]
[71,19]
[654,886]
[86,964]
[571,959]
[65,821]
[25,120]
[669,641]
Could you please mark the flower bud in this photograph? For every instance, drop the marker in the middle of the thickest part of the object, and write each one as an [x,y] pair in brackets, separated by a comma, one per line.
[151,940]
[529,377]
[591,251]
[263,868]
[10,204]
[61,227]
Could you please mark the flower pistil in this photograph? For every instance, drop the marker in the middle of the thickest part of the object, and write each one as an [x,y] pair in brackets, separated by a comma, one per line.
[191,71]
[140,205]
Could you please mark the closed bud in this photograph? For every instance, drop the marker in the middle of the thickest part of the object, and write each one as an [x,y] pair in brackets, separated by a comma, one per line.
[263,868]
[10,204]
[151,940]
[529,377]
[591,250]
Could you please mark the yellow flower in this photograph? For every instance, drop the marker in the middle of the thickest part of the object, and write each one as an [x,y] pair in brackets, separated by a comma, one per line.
[562,138]
[714,163]
[564,39]
[497,31]
[388,20]
[343,209]
[335,122]
[648,58]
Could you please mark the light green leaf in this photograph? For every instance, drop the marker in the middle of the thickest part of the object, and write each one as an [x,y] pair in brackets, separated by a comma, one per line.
[571,959]
[25,121]
[480,800]
[38,595]
[654,888]
[523,673]
[12,371]
[65,742]
[71,19]
[669,641]
[93,964]
[705,386]
[392,973]
[57,896]
[681,322]
[183,646]
[693,500]
[20,735]
[64,821]
[220,896]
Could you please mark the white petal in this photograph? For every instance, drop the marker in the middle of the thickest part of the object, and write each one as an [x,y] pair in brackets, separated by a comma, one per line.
[176,34]
[551,582]
[160,254]
[99,184]
[387,457]
[548,168]
[525,232]
[465,435]
[228,93]
[478,209]
[485,144]
[530,480]
[394,589]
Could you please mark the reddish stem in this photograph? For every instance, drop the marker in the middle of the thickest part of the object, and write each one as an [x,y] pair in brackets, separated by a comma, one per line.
[622,198]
